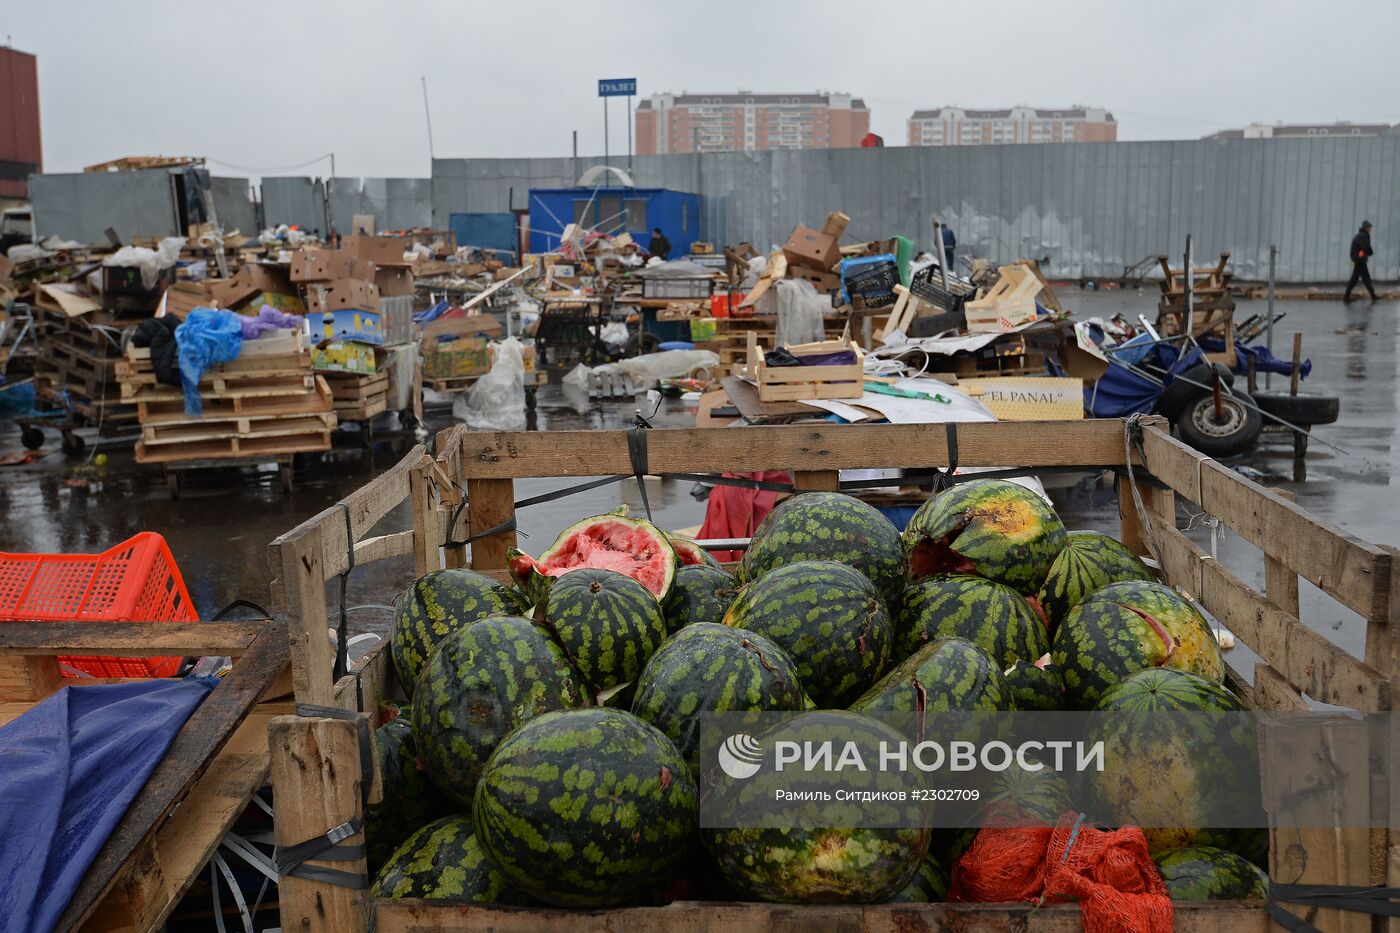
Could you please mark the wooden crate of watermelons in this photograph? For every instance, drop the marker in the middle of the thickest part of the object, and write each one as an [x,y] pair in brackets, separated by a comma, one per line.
[316,764]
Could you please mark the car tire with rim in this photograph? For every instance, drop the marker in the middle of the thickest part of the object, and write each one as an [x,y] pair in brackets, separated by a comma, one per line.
[1302,409]
[1233,434]
[1178,392]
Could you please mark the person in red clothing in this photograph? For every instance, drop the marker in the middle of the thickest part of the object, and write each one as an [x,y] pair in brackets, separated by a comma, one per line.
[1360,253]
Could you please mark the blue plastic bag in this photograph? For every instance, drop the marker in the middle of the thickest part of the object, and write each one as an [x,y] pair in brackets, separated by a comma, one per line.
[69,769]
[208,336]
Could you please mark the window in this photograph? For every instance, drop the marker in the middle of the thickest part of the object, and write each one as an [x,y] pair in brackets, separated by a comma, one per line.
[610,213]
[637,214]
[585,213]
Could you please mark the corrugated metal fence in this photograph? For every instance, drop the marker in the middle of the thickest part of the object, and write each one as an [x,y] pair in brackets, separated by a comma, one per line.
[1086,209]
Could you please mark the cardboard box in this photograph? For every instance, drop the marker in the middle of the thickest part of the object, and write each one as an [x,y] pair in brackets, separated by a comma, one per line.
[249,280]
[393,282]
[362,223]
[380,250]
[325,265]
[397,315]
[183,297]
[287,304]
[835,224]
[1029,398]
[454,359]
[347,324]
[345,356]
[460,325]
[811,248]
[822,281]
[342,295]
[703,328]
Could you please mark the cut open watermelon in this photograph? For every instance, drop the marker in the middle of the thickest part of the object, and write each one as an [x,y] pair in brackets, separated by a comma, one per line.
[691,554]
[631,546]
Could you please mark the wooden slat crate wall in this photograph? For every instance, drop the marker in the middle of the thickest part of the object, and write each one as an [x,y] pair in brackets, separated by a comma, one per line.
[1295,658]
[216,762]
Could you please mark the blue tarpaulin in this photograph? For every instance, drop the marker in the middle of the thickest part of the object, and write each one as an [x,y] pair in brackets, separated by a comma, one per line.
[207,336]
[1121,392]
[69,768]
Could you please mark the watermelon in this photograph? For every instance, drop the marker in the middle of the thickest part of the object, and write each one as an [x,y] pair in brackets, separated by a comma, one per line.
[1202,873]
[1038,687]
[824,851]
[1170,773]
[481,683]
[587,808]
[410,799]
[830,621]
[994,617]
[930,884]
[952,674]
[700,594]
[609,624]
[828,526]
[1089,562]
[713,668]
[691,554]
[444,861]
[1128,627]
[438,603]
[633,547]
[1020,797]
[992,528]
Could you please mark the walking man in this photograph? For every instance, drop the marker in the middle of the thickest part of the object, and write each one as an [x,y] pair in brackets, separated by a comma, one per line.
[659,245]
[1360,252]
[950,244]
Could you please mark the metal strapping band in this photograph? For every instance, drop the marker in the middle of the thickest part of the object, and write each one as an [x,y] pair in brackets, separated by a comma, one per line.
[1353,898]
[342,631]
[637,454]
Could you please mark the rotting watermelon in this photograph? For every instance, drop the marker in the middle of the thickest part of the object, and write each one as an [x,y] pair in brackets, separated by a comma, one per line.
[1177,752]
[608,624]
[952,674]
[410,799]
[707,668]
[633,547]
[830,621]
[828,526]
[479,684]
[438,603]
[691,554]
[444,861]
[991,528]
[1128,627]
[1202,873]
[701,593]
[1088,562]
[826,850]
[1038,686]
[992,616]
[587,808]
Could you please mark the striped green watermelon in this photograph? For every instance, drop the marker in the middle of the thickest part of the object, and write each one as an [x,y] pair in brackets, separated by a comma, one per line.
[481,683]
[701,593]
[1202,873]
[410,800]
[587,808]
[1017,796]
[830,621]
[440,602]
[1037,686]
[708,668]
[633,547]
[988,527]
[1128,627]
[609,624]
[1170,773]
[994,617]
[930,885]
[951,674]
[826,850]
[828,526]
[444,861]
[1089,562]
[691,554]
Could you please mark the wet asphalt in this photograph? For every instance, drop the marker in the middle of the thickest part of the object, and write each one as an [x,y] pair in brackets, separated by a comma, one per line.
[220,526]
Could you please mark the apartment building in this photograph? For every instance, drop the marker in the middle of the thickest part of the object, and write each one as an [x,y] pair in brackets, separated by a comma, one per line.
[957,126]
[745,121]
[20,150]
[1303,130]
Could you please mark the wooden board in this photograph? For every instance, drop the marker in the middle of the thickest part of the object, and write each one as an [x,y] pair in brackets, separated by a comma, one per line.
[130,639]
[243,429]
[172,411]
[292,383]
[233,448]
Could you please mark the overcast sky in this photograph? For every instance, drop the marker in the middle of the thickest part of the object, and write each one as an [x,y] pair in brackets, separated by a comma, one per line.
[268,88]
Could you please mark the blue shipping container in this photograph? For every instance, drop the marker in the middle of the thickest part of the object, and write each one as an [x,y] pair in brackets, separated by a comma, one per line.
[613,210]
[486,231]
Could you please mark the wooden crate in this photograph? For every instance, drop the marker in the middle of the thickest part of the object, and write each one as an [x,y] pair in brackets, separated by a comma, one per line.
[216,762]
[1294,656]
[1009,303]
[794,383]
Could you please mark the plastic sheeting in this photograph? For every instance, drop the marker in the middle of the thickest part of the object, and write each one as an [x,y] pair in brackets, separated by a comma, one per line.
[1120,392]
[69,769]
[208,336]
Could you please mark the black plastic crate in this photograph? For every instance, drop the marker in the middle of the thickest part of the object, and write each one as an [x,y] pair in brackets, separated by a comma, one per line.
[927,285]
[126,280]
[872,285]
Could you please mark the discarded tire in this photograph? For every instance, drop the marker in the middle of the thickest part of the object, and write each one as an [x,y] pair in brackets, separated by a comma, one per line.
[1180,391]
[1301,409]
[1233,432]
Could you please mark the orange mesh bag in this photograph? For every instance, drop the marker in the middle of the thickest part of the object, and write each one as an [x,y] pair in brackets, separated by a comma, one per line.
[1109,872]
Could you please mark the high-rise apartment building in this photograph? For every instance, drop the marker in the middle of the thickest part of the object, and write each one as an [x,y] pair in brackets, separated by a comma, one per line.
[956,126]
[20,151]
[745,121]
[1303,130]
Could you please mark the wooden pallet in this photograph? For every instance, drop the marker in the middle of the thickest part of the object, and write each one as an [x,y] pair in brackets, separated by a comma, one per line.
[172,410]
[212,429]
[233,447]
[249,386]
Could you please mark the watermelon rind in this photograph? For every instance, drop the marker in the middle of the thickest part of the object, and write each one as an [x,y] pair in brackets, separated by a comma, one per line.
[654,563]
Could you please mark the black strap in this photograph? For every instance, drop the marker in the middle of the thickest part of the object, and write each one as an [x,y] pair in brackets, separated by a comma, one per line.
[342,630]
[1354,898]
[241,604]
[637,454]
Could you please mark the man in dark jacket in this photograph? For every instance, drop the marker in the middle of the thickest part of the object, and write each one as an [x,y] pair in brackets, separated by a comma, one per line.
[659,245]
[1360,253]
[950,244]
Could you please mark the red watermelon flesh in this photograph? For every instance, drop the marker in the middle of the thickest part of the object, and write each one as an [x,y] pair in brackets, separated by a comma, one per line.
[631,547]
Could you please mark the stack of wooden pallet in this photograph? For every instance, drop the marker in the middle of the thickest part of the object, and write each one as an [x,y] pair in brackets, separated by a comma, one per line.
[265,403]
[77,357]
[358,396]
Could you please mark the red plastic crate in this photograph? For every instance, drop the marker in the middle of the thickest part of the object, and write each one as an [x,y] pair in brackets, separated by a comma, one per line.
[136,581]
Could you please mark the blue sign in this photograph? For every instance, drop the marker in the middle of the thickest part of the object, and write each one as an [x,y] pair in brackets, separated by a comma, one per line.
[617,87]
